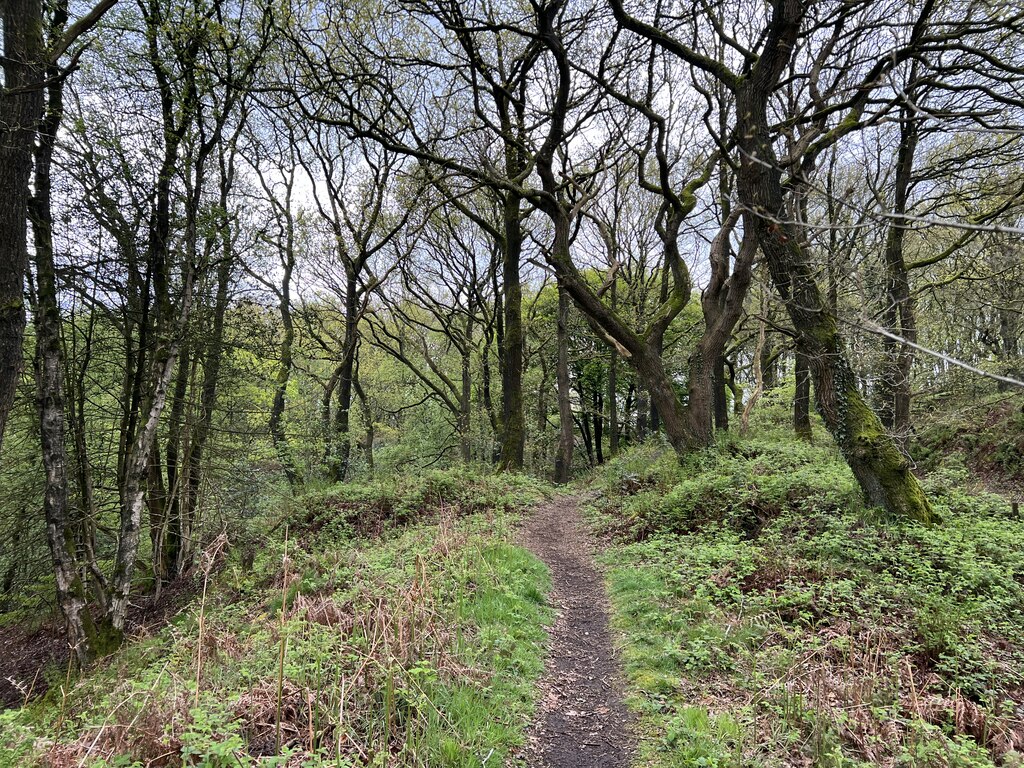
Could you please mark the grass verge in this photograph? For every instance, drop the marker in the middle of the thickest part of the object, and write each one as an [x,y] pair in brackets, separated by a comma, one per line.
[397,625]
[768,619]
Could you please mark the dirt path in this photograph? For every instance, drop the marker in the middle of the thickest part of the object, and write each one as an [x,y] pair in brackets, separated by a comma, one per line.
[582,721]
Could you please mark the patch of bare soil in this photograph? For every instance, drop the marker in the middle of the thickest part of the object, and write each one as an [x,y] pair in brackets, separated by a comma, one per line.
[582,720]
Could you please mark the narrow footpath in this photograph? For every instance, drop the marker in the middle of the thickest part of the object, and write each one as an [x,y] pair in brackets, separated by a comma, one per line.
[582,721]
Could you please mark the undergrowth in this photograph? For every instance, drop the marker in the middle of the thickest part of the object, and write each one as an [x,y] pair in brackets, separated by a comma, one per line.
[985,435]
[386,624]
[769,619]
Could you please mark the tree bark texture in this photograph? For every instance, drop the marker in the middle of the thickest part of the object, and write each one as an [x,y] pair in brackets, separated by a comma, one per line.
[21,109]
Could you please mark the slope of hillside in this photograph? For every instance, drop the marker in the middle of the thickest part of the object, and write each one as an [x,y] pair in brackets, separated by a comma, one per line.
[375,625]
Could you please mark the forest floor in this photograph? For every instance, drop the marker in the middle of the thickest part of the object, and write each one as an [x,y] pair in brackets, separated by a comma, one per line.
[582,718]
[36,653]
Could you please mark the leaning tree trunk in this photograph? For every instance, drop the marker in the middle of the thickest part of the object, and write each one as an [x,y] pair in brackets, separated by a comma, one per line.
[133,494]
[881,469]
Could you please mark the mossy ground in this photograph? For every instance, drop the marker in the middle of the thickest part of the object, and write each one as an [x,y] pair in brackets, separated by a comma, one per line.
[769,619]
[400,627]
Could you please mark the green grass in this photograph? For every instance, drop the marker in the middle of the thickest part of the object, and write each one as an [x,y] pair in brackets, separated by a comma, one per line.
[413,636]
[768,618]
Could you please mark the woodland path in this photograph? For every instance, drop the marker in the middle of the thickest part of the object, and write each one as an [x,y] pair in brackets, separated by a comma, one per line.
[582,720]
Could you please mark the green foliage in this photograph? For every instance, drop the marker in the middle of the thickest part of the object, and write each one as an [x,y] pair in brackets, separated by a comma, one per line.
[374,506]
[986,437]
[768,618]
[743,486]
[16,740]
[419,647]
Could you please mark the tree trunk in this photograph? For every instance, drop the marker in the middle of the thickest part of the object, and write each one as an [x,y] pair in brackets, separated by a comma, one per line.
[611,399]
[627,409]
[21,109]
[540,456]
[488,401]
[165,560]
[284,371]
[721,400]
[899,315]
[701,395]
[513,427]
[882,471]
[72,597]
[722,305]
[212,357]
[466,392]
[134,492]
[802,398]
[156,503]
[83,471]
[735,388]
[342,416]
[1009,347]
[364,401]
[563,456]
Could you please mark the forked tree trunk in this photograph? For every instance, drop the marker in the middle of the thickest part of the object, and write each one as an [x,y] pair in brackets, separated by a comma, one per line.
[722,303]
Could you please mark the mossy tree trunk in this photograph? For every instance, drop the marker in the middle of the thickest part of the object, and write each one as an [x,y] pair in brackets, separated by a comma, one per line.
[882,470]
